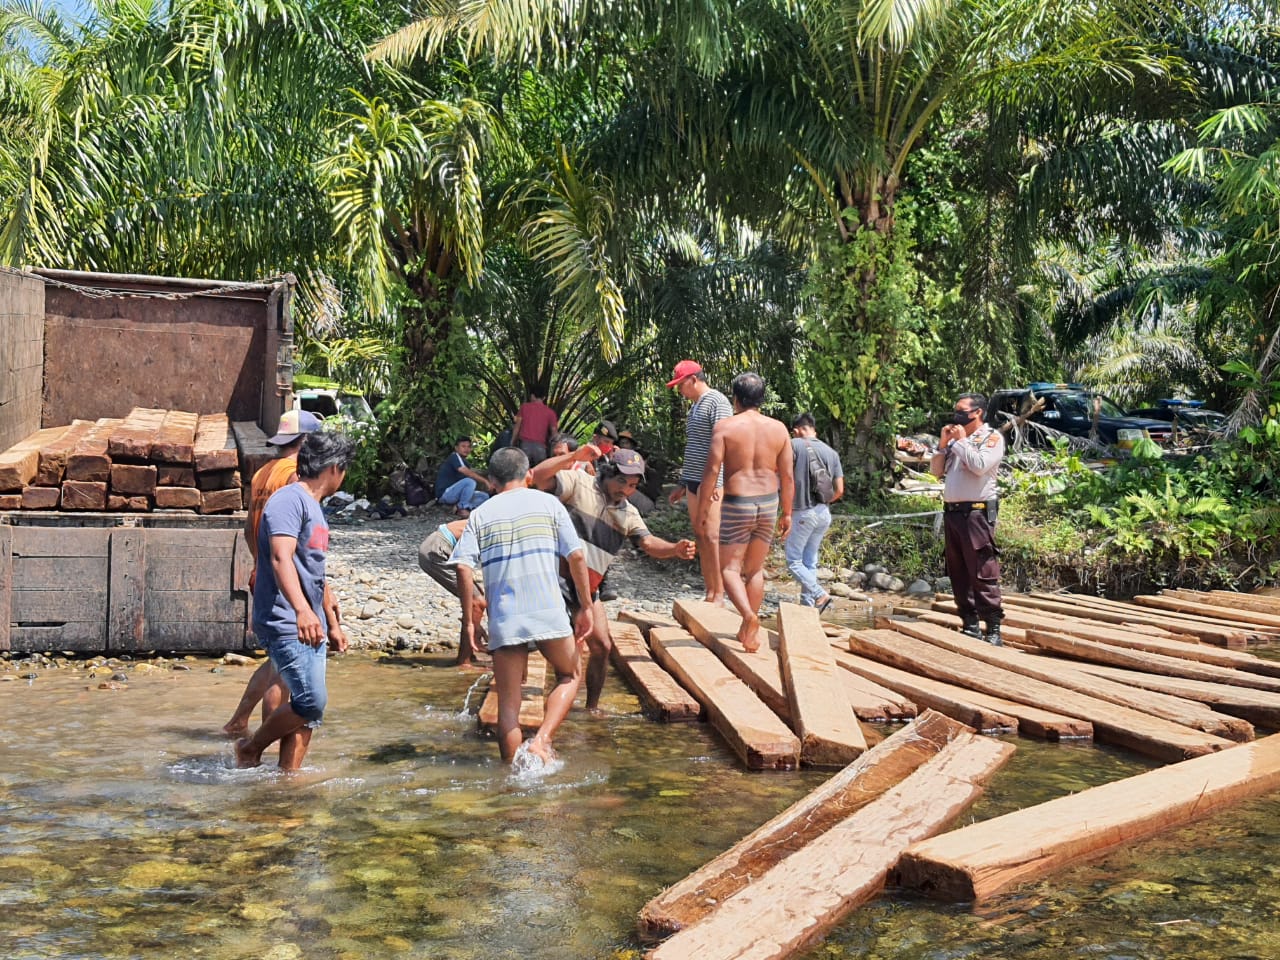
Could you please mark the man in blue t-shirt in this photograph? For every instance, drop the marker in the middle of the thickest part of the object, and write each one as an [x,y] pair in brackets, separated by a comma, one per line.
[289,616]
[457,485]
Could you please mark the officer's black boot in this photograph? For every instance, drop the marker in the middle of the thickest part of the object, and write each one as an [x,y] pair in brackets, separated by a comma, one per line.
[993,628]
[969,627]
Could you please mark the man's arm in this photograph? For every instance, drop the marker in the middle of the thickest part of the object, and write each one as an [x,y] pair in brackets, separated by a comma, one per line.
[332,613]
[544,474]
[715,459]
[470,609]
[786,482]
[837,489]
[515,430]
[282,550]
[553,428]
[661,549]
[951,434]
[479,478]
[582,620]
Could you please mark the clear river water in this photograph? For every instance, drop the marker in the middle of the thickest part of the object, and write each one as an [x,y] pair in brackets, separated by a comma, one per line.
[125,832]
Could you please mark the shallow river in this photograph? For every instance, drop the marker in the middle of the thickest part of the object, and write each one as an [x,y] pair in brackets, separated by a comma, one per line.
[125,832]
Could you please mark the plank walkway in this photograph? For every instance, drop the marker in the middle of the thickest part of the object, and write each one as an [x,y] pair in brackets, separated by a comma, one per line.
[532,699]
[796,902]
[1223,637]
[752,730]
[1212,611]
[1257,706]
[881,768]
[979,861]
[821,716]
[661,697]
[716,628]
[1167,619]
[1112,723]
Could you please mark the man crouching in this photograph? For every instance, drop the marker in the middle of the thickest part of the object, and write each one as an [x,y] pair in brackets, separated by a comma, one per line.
[517,539]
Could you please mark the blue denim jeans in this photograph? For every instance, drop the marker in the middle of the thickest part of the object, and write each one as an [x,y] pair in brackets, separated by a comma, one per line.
[302,668]
[463,494]
[808,527]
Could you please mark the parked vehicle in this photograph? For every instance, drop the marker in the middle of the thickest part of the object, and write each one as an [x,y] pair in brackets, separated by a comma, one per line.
[1073,409]
[330,400]
[1186,415]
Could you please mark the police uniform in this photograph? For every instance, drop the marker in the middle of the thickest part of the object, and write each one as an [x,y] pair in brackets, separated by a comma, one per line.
[969,492]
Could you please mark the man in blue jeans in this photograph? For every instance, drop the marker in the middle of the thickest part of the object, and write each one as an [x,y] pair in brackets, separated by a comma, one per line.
[810,516]
[289,614]
[457,485]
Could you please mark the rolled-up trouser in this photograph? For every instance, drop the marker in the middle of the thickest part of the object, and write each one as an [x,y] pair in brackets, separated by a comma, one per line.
[973,562]
[302,668]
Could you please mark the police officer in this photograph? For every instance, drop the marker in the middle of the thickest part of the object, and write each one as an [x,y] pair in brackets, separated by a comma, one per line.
[967,459]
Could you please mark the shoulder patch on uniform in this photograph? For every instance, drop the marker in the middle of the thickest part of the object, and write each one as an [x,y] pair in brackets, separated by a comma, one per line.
[993,440]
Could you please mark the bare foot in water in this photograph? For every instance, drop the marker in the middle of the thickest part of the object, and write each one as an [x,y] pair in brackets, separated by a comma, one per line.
[245,757]
[749,634]
[233,728]
[541,749]
[470,667]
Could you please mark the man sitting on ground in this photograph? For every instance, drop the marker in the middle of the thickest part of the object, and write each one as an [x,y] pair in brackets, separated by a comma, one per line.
[605,521]
[457,485]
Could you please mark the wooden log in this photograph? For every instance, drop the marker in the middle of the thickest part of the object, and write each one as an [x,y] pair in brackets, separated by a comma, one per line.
[1112,723]
[532,699]
[872,702]
[133,479]
[19,463]
[175,440]
[1228,599]
[1185,712]
[1209,634]
[998,714]
[979,861]
[53,456]
[41,498]
[178,498]
[251,442]
[83,495]
[221,501]
[89,461]
[798,901]
[1257,706]
[645,620]
[1011,633]
[751,729]
[175,475]
[10,501]
[215,447]
[1211,618]
[880,769]
[1078,649]
[661,698]
[134,437]
[1213,611]
[717,629]
[820,714]
[218,480]
[121,503]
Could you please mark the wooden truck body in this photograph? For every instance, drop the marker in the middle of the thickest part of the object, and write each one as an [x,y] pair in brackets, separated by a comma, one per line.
[87,346]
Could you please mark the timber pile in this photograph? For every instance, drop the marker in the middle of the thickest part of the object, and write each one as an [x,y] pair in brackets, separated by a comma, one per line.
[150,460]
[533,700]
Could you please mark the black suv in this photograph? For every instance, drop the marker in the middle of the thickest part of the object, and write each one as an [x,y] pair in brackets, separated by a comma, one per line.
[1187,416]
[1072,409]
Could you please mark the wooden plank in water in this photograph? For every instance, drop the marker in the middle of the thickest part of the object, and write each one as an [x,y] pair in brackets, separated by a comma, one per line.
[647,619]
[1138,614]
[215,445]
[661,697]
[1232,639]
[176,439]
[752,730]
[1011,633]
[881,768]
[1257,706]
[717,629]
[1112,723]
[88,461]
[53,456]
[799,900]
[134,436]
[821,717]
[979,861]
[20,463]
[1234,614]
[532,699]
[1188,713]
[873,702]
[1079,649]
[1267,603]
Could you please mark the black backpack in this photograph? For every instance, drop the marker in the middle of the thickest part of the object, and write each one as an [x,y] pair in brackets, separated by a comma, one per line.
[822,486]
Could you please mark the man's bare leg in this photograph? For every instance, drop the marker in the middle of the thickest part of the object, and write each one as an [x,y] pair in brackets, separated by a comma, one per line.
[276,694]
[599,642]
[293,748]
[563,657]
[732,556]
[282,722]
[255,689]
[708,547]
[508,673]
[752,574]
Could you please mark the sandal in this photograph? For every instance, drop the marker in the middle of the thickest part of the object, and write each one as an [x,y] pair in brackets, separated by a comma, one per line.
[822,607]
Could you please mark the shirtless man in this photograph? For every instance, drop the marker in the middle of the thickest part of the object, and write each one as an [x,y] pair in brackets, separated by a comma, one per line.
[755,451]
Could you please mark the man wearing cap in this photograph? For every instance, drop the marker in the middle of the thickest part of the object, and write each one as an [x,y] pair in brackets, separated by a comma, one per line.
[265,685]
[968,459]
[708,408]
[604,521]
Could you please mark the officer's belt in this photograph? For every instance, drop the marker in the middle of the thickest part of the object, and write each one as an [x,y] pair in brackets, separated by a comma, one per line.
[966,506]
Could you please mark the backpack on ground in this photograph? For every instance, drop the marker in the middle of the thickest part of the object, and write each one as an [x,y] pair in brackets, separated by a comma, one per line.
[822,486]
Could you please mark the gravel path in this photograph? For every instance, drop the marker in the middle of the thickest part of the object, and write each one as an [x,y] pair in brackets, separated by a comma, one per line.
[389,603]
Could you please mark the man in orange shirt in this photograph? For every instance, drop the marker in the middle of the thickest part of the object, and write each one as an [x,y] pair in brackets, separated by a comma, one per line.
[280,472]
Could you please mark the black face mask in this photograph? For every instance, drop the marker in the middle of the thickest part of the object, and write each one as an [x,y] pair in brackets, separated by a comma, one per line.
[963,417]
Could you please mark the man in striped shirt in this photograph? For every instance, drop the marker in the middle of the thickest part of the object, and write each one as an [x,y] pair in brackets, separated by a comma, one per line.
[708,408]
[517,539]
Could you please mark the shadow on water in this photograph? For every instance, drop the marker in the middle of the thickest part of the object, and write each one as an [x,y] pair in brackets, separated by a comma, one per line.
[405,837]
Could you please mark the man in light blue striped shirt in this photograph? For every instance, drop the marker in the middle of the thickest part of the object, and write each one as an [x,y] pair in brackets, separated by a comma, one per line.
[517,539]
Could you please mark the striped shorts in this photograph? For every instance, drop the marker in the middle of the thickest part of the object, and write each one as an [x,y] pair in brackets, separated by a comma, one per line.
[743,519]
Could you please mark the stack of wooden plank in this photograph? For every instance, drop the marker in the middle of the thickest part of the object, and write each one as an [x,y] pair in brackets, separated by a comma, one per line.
[152,459]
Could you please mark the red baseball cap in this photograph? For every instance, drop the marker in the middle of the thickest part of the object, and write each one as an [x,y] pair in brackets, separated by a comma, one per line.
[684,370]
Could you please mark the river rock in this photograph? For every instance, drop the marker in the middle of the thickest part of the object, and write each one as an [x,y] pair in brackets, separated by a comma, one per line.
[825,573]
[885,581]
[874,568]
[920,588]
[942,584]
[839,589]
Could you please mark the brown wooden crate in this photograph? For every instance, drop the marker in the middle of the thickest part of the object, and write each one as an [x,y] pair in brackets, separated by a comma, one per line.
[59,542]
[84,495]
[132,479]
[34,573]
[195,606]
[178,498]
[221,501]
[175,441]
[215,447]
[41,498]
[183,543]
[136,435]
[190,573]
[85,635]
[63,605]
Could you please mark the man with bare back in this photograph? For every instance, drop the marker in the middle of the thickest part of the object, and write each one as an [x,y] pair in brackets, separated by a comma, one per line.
[755,452]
